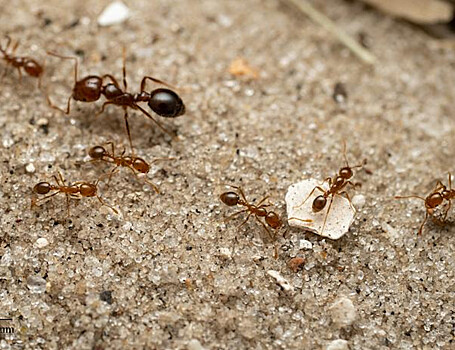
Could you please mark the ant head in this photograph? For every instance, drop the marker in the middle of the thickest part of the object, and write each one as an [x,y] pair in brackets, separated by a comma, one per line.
[42,188]
[433,200]
[141,165]
[346,172]
[88,89]
[166,103]
[97,152]
[87,190]
[319,203]
[230,198]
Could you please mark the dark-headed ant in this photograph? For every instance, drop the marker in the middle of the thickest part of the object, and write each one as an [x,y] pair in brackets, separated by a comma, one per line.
[435,199]
[29,65]
[76,190]
[336,186]
[135,164]
[259,210]
[164,102]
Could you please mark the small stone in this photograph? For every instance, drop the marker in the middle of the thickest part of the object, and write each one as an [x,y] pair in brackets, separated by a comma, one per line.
[358,201]
[106,296]
[114,13]
[340,94]
[338,344]
[338,220]
[41,242]
[194,344]
[343,312]
[42,122]
[225,253]
[280,280]
[304,244]
[30,168]
[36,284]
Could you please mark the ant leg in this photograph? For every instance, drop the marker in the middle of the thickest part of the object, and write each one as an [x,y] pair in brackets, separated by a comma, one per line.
[271,236]
[107,205]
[52,105]
[423,223]
[61,178]
[447,210]
[262,201]
[244,221]
[230,217]
[67,58]
[326,215]
[125,85]
[314,189]
[348,198]
[144,81]
[103,107]
[154,120]
[155,187]
[407,197]
[160,159]
[20,74]
[113,80]
[67,206]
[128,131]
[8,42]
[44,198]
[450,180]
[13,50]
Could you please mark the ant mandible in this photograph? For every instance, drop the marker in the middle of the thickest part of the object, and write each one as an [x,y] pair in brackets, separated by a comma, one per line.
[164,102]
[75,190]
[271,218]
[435,199]
[29,65]
[336,187]
[135,164]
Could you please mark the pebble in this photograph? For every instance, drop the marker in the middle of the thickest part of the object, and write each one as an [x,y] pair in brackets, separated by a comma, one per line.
[304,244]
[281,280]
[358,201]
[338,344]
[343,312]
[114,13]
[30,168]
[41,242]
[338,221]
[194,344]
[36,284]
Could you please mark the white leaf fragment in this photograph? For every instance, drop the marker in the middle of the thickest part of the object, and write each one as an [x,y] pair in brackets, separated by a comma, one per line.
[114,13]
[338,220]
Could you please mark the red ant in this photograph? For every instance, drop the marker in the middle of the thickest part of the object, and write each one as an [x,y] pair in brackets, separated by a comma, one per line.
[76,190]
[29,65]
[257,210]
[135,164]
[435,199]
[336,187]
[164,102]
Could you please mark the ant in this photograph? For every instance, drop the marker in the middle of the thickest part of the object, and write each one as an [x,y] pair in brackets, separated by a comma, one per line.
[135,164]
[336,187]
[164,102]
[435,199]
[29,65]
[271,218]
[76,190]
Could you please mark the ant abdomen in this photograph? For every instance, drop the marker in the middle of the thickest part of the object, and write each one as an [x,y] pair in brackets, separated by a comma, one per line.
[88,89]
[33,68]
[166,103]
[230,198]
[319,203]
[42,188]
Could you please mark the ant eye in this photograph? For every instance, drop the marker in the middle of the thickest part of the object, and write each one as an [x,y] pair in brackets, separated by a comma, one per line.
[166,103]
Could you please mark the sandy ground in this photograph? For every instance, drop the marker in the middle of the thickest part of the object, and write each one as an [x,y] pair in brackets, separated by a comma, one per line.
[168,272]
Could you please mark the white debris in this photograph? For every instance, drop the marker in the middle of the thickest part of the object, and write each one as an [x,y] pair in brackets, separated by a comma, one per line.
[114,13]
[281,280]
[338,220]
[194,344]
[30,168]
[304,244]
[343,312]
[41,242]
[225,253]
[358,201]
[338,344]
